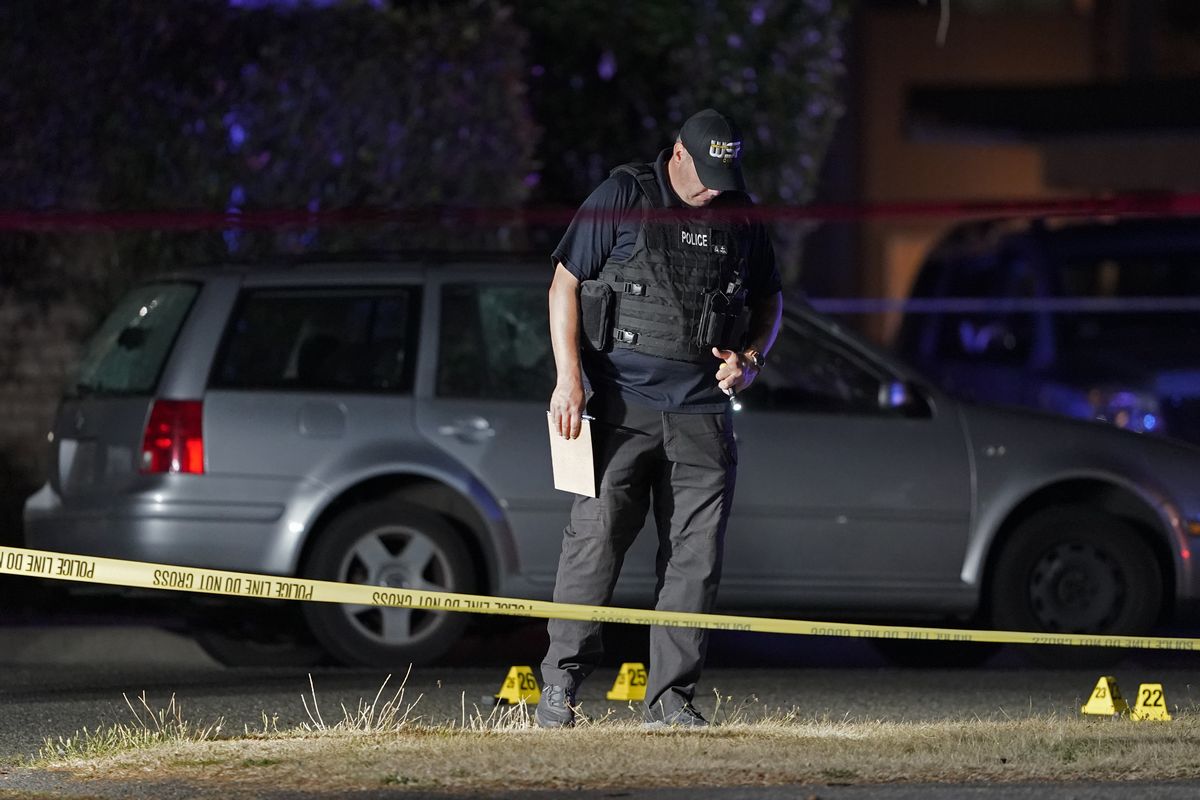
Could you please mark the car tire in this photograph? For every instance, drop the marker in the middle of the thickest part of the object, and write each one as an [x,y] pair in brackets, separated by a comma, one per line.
[234,648]
[1076,570]
[398,545]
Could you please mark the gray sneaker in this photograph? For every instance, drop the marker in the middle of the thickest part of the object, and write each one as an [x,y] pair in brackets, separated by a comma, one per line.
[554,709]
[683,717]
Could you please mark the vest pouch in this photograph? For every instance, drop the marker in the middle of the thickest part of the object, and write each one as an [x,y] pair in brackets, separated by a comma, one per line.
[597,310]
[723,322]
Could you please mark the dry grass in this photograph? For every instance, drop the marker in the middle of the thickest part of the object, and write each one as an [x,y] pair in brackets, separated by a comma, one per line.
[150,727]
[384,743]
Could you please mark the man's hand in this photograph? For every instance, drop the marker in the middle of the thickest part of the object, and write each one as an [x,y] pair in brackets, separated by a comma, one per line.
[566,409]
[734,373]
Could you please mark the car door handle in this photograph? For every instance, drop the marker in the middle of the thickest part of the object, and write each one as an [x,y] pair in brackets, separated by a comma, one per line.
[468,429]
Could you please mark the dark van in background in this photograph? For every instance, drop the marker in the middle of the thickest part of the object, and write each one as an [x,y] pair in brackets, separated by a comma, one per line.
[1090,319]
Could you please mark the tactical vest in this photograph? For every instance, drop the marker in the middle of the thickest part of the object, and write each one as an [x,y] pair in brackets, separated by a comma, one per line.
[682,291]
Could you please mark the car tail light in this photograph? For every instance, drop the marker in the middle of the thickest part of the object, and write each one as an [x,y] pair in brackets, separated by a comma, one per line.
[173,440]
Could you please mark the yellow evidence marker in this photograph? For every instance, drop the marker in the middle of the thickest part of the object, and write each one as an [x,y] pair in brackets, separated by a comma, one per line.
[519,687]
[1151,704]
[1106,699]
[630,683]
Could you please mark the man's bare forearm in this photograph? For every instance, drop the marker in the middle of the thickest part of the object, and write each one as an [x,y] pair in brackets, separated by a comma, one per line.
[765,319]
[566,403]
[564,325]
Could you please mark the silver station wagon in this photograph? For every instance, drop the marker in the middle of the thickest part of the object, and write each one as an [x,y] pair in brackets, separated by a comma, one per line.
[384,423]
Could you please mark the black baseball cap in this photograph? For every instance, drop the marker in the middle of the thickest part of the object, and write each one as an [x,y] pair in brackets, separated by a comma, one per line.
[715,145]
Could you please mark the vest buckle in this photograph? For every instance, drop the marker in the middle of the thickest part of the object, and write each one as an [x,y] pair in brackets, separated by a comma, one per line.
[624,336]
[635,289]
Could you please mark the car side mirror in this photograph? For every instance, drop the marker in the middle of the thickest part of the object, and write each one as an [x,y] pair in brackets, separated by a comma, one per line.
[894,395]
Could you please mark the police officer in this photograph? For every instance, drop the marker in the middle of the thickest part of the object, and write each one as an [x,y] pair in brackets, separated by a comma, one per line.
[665,299]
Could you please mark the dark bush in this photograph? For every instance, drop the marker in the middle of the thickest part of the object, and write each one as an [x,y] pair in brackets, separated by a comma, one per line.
[179,104]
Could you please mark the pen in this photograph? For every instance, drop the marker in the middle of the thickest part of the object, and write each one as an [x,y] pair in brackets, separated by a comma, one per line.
[588,417]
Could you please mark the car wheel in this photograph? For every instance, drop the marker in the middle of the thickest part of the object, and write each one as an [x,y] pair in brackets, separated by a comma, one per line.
[236,648]
[239,632]
[400,546]
[1074,570]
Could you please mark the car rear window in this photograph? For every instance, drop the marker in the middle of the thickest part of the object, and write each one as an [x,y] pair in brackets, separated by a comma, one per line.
[326,339]
[126,355]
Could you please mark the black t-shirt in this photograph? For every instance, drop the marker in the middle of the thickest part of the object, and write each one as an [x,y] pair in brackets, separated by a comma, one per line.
[606,226]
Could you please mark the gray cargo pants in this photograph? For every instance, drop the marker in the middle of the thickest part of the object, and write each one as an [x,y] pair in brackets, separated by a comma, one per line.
[687,465]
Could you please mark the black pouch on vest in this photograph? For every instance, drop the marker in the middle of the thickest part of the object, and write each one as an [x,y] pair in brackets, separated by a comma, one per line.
[597,305]
[723,322]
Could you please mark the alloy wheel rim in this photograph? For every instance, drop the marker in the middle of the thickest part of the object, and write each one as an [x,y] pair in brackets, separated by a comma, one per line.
[395,557]
[1076,587]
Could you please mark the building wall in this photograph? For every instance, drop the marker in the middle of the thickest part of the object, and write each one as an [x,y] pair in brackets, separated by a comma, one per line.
[899,49]
[39,343]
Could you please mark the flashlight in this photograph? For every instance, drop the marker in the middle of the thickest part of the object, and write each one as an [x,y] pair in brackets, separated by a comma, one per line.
[734,403]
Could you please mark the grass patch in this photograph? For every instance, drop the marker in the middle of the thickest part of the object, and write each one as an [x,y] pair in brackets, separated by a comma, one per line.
[149,728]
[620,755]
[384,742]
[194,762]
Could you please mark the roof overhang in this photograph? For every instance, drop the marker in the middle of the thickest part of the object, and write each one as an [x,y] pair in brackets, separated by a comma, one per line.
[1036,114]
[1092,137]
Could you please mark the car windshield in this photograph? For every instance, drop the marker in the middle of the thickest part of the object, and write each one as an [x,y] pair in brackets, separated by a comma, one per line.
[126,355]
[1122,301]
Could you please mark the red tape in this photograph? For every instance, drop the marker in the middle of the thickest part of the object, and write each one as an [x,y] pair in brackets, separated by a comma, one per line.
[1141,204]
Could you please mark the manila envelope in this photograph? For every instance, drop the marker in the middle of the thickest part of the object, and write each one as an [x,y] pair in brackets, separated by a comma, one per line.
[574,467]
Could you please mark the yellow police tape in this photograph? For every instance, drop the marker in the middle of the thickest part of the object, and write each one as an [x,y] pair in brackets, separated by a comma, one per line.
[141,574]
